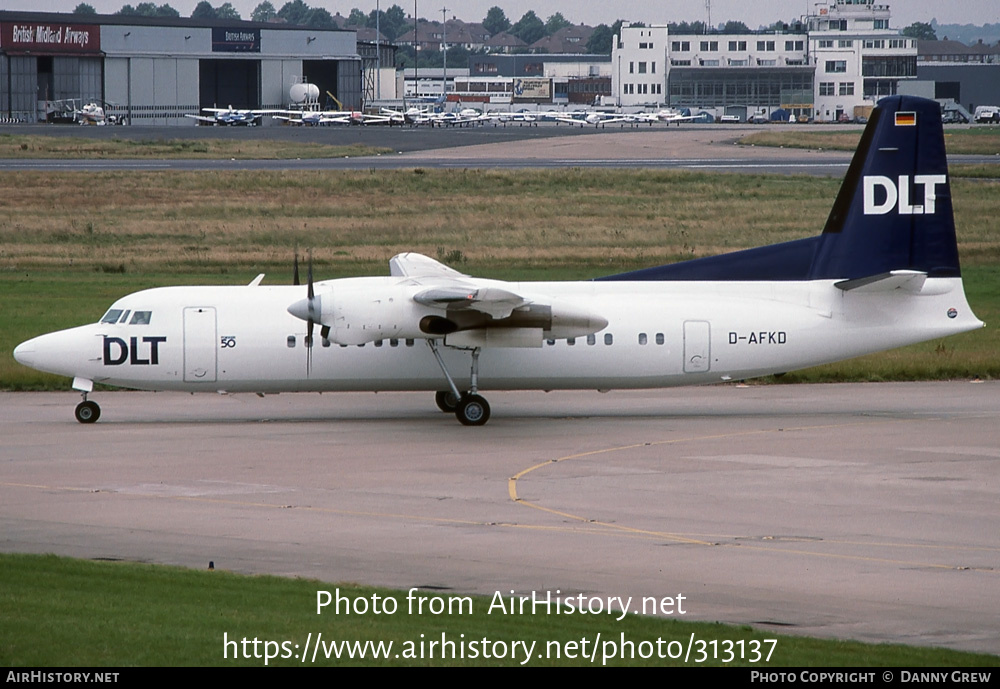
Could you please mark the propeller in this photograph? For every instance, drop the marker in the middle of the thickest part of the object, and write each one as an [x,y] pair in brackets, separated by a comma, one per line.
[309,309]
[295,269]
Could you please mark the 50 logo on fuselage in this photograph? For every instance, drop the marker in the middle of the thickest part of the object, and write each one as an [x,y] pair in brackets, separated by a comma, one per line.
[137,351]
[882,194]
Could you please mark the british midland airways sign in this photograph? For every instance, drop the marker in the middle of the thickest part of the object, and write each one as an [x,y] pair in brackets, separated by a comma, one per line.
[32,37]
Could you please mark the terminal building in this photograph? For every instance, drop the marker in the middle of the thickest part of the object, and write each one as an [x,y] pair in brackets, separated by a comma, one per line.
[156,70]
[830,66]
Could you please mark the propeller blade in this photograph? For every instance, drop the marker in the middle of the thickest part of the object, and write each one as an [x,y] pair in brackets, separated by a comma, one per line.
[311,296]
[295,269]
[310,292]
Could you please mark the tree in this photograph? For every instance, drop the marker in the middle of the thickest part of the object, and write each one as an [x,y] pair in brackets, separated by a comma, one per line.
[227,11]
[295,12]
[203,10]
[126,11]
[685,28]
[319,18]
[84,8]
[391,22]
[529,28]
[556,22]
[921,31]
[357,18]
[601,41]
[264,12]
[166,10]
[496,21]
[735,27]
[395,17]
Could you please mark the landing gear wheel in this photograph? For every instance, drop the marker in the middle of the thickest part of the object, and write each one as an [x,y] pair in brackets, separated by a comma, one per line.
[473,410]
[87,412]
[446,401]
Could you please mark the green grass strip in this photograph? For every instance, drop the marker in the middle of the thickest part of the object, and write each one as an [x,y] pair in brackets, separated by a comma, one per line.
[67,612]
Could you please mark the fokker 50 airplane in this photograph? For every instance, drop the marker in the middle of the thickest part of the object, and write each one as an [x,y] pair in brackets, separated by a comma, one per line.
[883,273]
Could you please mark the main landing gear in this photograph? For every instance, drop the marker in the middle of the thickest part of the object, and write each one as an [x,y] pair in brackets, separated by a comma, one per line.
[469,408]
[86,411]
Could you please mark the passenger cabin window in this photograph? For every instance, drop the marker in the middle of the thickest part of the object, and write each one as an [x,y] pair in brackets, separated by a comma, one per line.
[608,338]
[291,341]
[659,338]
[642,338]
[591,339]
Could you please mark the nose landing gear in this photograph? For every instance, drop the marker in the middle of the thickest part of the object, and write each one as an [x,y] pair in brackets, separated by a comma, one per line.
[87,411]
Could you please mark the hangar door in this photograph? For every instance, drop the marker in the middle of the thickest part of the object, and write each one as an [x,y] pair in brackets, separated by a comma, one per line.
[342,78]
[229,82]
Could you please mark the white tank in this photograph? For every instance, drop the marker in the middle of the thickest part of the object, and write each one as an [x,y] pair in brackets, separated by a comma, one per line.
[304,93]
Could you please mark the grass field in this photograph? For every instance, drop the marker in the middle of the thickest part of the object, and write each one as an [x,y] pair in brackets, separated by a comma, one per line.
[979,140]
[65,612]
[40,146]
[71,243]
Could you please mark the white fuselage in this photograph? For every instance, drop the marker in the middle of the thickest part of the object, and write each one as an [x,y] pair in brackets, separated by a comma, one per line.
[659,334]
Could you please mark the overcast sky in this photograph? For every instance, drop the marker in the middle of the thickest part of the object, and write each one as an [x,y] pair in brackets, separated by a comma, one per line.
[904,12]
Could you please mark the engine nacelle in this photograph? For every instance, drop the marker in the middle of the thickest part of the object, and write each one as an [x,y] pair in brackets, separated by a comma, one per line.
[357,314]
[362,310]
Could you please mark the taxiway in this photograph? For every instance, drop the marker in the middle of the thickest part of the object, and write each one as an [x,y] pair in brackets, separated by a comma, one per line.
[851,511]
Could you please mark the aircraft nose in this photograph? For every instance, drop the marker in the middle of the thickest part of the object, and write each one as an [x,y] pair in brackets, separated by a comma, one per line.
[24,353]
[58,352]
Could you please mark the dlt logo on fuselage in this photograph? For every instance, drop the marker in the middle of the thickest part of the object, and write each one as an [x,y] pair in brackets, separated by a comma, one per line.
[900,193]
[117,351]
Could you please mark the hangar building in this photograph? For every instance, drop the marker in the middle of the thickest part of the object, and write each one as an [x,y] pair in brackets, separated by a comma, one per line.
[155,70]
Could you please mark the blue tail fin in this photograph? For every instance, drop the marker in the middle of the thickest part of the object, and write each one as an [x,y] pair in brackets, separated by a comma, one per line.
[893,212]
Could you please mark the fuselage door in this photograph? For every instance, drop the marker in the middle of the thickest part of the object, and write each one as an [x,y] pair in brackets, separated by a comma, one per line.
[199,344]
[697,346]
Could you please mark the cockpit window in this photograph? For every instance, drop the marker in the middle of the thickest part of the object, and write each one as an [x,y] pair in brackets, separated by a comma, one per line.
[121,316]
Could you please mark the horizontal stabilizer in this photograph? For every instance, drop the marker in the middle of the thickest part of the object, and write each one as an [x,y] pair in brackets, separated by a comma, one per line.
[907,280]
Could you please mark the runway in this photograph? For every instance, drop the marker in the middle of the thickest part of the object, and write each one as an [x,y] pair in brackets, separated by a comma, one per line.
[851,511]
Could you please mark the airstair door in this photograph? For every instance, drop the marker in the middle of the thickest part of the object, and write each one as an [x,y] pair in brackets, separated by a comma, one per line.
[199,344]
[697,346]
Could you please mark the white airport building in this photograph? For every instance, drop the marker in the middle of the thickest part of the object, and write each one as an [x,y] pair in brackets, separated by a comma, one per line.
[828,67]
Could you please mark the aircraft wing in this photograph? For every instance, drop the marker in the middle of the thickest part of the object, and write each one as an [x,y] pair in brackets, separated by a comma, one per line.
[412,265]
[453,290]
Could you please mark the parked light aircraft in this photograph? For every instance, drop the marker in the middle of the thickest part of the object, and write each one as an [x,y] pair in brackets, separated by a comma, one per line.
[883,273]
[327,117]
[231,116]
